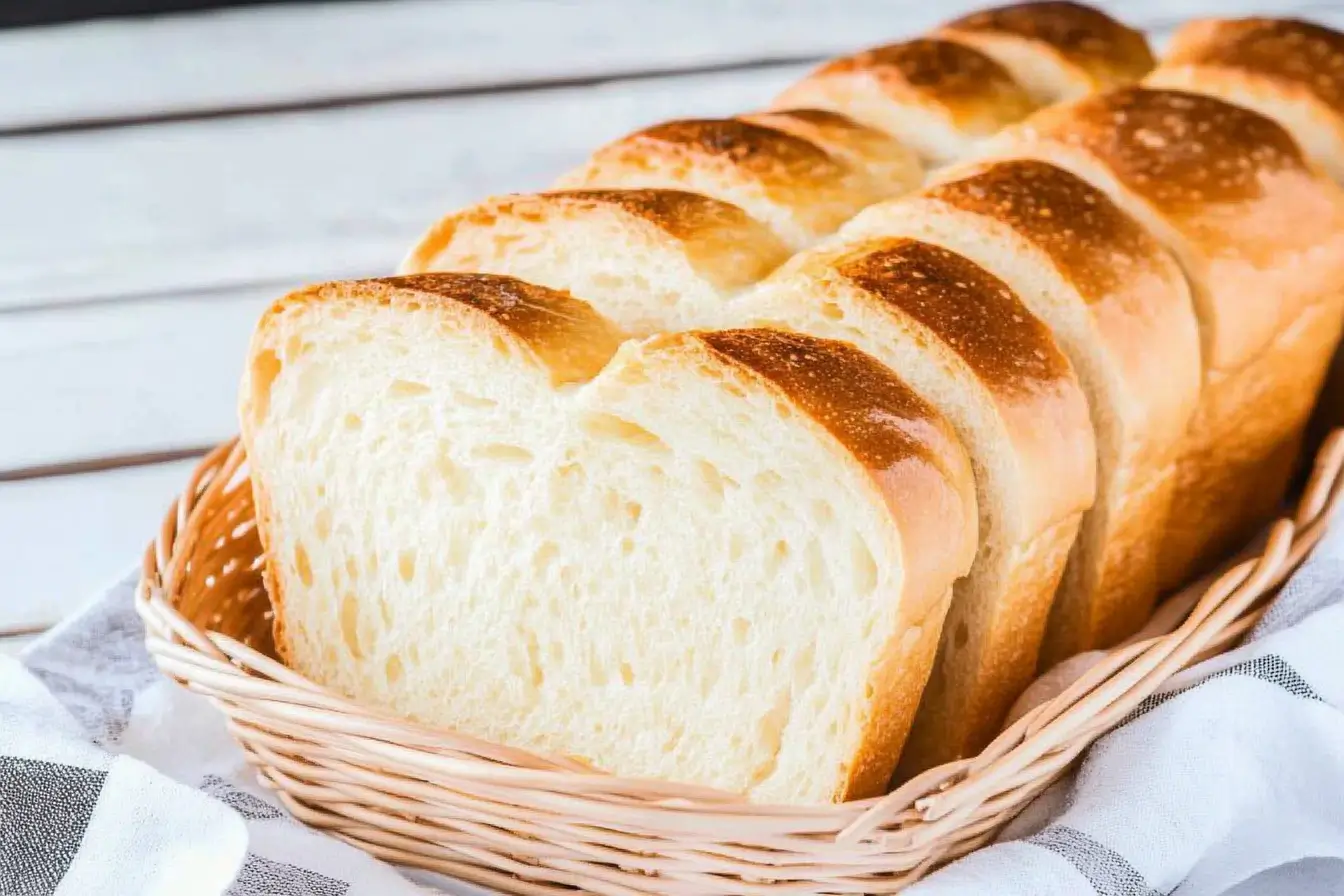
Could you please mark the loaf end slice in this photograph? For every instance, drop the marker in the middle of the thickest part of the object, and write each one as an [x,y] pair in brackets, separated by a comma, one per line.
[718,558]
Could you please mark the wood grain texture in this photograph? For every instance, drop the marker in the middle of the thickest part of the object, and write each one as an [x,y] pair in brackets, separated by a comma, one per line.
[305,195]
[268,57]
[65,538]
[131,378]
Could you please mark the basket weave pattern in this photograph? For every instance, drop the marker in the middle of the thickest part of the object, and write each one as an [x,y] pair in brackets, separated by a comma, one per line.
[521,823]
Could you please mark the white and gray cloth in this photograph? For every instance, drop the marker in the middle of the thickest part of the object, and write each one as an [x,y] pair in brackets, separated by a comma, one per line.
[116,782]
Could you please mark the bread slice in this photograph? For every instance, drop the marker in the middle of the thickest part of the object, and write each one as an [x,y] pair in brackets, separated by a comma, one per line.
[790,184]
[1230,194]
[961,338]
[1286,69]
[1120,308]
[649,260]
[1057,50]
[935,96]
[736,555]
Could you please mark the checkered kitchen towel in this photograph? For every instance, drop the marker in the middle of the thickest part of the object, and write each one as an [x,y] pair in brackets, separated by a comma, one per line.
[114,782]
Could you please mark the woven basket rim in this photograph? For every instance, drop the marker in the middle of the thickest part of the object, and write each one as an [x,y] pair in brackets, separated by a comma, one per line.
[407,792]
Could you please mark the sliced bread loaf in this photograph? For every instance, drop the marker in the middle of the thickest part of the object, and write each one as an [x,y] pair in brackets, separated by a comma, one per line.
[721,558]
[1120,308]
[1027,441]
[1057,50]
[1260,235]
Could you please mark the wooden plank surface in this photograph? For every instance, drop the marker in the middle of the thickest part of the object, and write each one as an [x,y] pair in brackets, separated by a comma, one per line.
[259,58]
[124,379]
[247,59]
[65,538]
[315,194]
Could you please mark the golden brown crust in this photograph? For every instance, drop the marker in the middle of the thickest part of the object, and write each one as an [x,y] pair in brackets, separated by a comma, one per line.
[964,82]
[765,154]
[1106,50]
[878,418]
[1233,189]
[724,244]
[1095,245]
[573,340]
[1297,55]
[969,309]
[925,478]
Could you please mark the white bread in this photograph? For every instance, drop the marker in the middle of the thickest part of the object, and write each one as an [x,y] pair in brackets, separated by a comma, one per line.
[736,555]
[1120,308]
[790,184]
[1288,70]
[964,342]
[649,260]
[1230,194]
[1057,50]
[936,96]
[1019,446]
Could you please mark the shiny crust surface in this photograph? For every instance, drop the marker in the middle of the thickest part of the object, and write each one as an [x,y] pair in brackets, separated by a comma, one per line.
[966,82]
[1295,53]
[970,309]
[859,401]
[1084,36]
[1095,245]
[1182,152]
[573,340]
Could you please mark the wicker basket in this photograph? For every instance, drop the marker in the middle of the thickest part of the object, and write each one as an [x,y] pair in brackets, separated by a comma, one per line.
[521,823]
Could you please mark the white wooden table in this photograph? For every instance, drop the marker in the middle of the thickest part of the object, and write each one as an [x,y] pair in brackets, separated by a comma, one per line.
[162,179]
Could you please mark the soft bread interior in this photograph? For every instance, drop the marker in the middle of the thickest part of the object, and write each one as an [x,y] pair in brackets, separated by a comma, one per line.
[668,571]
